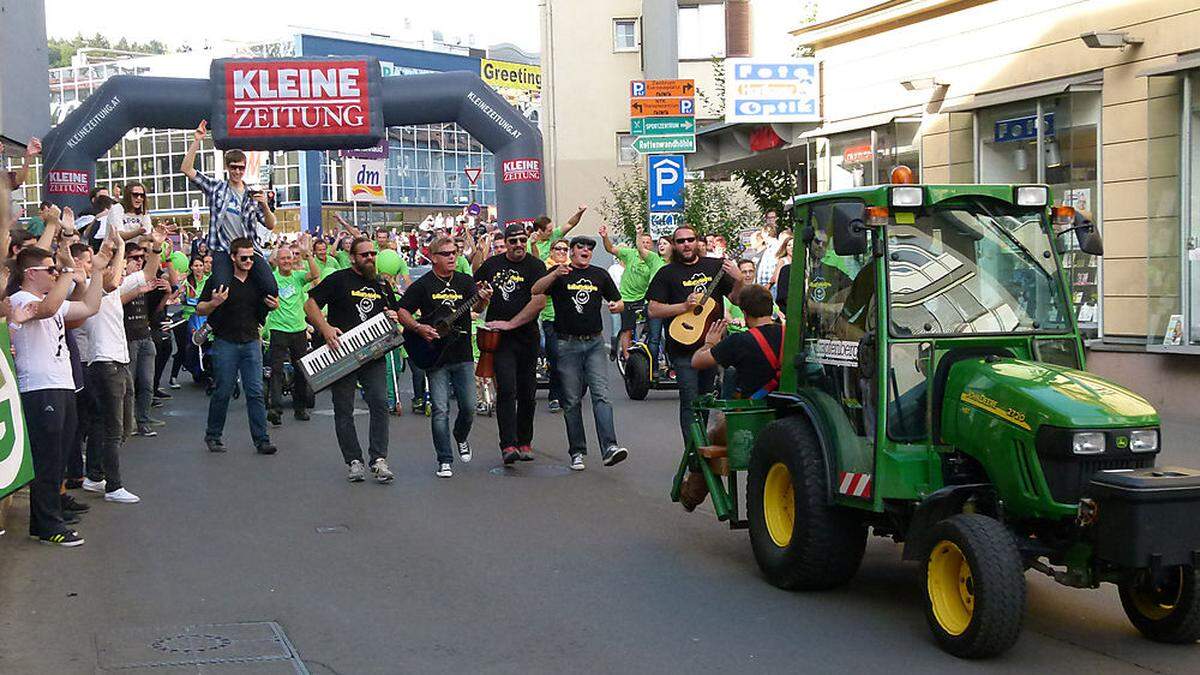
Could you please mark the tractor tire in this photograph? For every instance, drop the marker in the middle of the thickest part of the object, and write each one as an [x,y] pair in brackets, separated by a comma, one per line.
[800,541]
[637,375]
[974,586]
[1169,613]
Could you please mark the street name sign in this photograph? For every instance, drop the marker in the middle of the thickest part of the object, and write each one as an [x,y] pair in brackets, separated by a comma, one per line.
[647,145]
[662,88]
[662,126]
[661,107]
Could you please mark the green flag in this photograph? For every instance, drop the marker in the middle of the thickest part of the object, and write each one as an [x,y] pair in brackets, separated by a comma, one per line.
[16,466]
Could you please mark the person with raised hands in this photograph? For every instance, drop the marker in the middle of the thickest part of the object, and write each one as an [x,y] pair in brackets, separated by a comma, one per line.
[288,329]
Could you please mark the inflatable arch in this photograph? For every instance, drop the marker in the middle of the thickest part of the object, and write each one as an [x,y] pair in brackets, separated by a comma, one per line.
[297,104]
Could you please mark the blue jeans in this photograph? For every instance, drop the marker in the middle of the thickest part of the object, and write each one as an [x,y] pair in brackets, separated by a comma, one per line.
[141,367]
[228,359]
[550,343]
[583,362]
[692,383]
[459,379]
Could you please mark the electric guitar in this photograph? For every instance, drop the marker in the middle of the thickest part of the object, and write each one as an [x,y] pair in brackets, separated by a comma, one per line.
[426,354]
[689,328]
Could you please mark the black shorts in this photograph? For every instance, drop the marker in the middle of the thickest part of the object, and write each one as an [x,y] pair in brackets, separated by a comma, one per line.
[629,315]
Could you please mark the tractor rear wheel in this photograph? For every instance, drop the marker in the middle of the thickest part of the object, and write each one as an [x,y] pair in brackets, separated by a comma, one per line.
[637,374]
[1167,610]
[800,540]
[974,586]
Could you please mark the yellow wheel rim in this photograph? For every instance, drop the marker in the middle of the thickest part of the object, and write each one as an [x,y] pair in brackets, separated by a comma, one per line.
[1157,604]
[779,505]
[951,588]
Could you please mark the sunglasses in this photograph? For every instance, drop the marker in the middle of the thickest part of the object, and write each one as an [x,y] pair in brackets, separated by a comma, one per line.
[52,269]
[446,254]
[236,167]
[560,248]
[366,254]
[685,240]
[587,246]
[140,256]
[517,240]
[137,195]
[244,258]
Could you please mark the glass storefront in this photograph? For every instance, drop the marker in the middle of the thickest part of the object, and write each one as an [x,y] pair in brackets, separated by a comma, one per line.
[867,156]
[1062,151]
[1173,227]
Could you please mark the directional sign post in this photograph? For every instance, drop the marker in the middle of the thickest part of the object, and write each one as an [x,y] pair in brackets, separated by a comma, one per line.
[665,192]
[647,145]
[662,126]
[662,116]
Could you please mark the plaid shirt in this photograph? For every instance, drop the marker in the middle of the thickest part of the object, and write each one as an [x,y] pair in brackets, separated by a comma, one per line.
[229,216]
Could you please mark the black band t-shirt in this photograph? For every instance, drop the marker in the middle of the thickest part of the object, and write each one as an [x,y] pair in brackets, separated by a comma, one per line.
[437,298]
[674,282]
[579,300]
[512,283]
[742,352]
[352,298]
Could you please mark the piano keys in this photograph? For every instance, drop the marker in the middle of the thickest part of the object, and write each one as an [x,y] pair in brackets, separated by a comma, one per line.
[357,346]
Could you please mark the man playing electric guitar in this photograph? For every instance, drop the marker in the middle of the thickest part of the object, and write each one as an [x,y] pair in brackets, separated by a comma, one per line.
[443,298]
[679,287]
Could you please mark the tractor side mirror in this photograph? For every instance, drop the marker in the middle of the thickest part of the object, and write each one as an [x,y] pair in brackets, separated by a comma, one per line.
[849,228]
[1087,236]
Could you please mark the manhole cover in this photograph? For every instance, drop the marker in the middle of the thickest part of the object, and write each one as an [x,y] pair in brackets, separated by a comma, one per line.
[213,646]
[535,471]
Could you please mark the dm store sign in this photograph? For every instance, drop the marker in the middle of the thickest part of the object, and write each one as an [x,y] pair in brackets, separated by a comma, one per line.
[293,104]
[364,179]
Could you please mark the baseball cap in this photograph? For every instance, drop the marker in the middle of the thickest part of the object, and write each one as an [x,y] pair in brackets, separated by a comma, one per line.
[514,230]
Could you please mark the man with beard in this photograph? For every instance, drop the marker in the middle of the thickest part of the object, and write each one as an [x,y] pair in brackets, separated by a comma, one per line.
[513,311]
[353,296]
[579,291]
[677,288]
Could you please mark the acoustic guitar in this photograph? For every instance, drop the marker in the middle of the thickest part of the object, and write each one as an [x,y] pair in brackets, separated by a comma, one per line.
[425,354]
[689,328]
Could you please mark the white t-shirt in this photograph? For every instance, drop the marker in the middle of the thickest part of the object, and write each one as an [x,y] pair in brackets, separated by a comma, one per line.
[105,331]
[40,349]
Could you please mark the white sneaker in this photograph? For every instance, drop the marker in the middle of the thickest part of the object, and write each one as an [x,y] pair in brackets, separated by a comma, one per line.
[382,473]
[122,496]
[464,451]
[577,463]
[444,471]
[173,384]
[357,473]
[93,485]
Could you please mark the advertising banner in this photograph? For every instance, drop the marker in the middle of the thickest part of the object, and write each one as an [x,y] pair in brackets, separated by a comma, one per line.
[364,179]
[296,104]
[16,466]
[778,90]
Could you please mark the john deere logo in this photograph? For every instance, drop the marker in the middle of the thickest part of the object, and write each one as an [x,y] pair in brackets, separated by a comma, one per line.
[1122,442]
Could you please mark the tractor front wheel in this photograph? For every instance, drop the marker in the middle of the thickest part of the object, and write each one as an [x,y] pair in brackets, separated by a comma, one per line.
[974,586]
[800,540]
[1165,609]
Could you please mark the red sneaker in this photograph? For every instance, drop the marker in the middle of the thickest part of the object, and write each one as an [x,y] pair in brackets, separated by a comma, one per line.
[525,453]
[510,455]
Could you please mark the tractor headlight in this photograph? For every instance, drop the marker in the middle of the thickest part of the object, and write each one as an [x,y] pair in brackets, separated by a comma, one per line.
[1032,195]
[1088,443]
[907,196]
[1143,440]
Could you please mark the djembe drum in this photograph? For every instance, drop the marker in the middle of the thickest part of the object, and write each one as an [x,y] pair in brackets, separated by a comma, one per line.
[488,340]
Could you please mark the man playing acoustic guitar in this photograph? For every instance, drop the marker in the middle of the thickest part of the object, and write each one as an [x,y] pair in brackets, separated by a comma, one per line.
[678,288]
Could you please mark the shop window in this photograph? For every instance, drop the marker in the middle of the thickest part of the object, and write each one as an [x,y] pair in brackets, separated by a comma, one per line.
[701,31]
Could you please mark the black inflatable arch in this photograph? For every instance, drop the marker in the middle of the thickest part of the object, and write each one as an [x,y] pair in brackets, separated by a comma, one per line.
[124,102]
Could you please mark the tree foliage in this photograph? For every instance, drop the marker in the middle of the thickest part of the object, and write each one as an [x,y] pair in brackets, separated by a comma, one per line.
[61,50]
[770,189]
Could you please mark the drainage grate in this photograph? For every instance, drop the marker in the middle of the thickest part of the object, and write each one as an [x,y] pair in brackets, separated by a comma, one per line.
[258,647]
[535,471]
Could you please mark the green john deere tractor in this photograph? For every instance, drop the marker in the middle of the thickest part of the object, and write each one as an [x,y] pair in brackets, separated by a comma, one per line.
[933,391]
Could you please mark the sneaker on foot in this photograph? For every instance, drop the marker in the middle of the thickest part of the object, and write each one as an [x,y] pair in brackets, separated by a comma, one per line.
[173,384]
[159,393]
[156,403]
[121,496]
[614,454]
[275,418]
[144,430]
[73,483]
[93,485]
[70,504]
[66,538]
[509,455]
[381,471]
[265,448]
[525,453]
[444,471]
[464,451]
[214,445]
[303,415]
[357,472]
[577,463]
[555,406]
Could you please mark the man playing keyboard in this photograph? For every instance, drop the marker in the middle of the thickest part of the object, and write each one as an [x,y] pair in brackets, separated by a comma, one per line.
[353,296]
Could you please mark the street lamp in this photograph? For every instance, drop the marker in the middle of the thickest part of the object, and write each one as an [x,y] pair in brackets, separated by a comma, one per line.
[918,83]
[1108,39]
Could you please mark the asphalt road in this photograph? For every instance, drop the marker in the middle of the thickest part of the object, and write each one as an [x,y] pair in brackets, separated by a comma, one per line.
[595,572]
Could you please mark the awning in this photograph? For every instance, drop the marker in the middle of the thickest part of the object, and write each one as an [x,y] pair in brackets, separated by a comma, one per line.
[1023,93]
[1181,62]
[859,123]
[724,147]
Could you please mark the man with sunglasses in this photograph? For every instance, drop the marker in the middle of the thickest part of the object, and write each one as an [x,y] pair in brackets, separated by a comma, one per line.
[513,311]
[579,291]
[353,296]
[234,211]
[678,287]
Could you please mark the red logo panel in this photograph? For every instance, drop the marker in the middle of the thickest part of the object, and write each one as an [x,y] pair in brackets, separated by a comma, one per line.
[523,170]
[297,98]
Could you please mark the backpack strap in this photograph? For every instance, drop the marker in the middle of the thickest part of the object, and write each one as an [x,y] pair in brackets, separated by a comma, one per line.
[773,360]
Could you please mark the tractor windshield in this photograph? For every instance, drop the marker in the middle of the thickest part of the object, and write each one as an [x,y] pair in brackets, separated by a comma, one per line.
[973,265]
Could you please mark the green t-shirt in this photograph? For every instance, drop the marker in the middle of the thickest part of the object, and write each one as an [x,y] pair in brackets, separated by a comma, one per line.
[343,259]
[547,314]
[289,316]
[543,247]
[638,272]
[460,265]
[190,297]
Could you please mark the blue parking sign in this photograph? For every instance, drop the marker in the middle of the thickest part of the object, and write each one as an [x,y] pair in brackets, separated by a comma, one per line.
[665,183]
